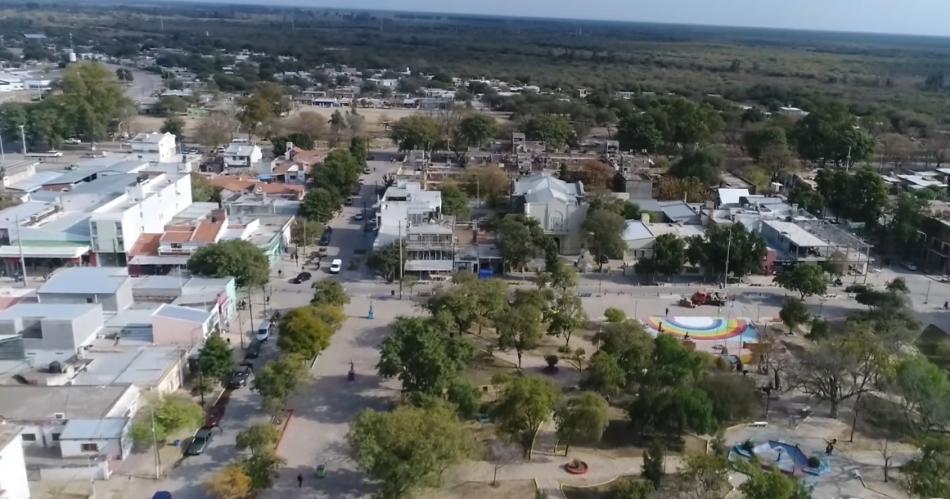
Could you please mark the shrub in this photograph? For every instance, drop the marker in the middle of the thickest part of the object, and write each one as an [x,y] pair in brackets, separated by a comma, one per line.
[814,462]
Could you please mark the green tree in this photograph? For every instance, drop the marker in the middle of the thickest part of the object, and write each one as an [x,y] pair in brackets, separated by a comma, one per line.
[239,259]
[672,410]
[757,141]
[689,123]
[566,316]
[793,313]
[704,476]
[582,420]
[490,183]
[474,130]
[92,101]
[454,202]
[328,292]
[466,397]
[172,414]
[263,469]
[385,261]
[265,105]
[805,279]
[415,133]
[171,105]
[409,447]
[653,468]
[604,235]
[830,132]
[202,191]
[302,332]
[359,149]
[733,398]
[215,359]
[175,126]
[614,315]
[527,402]
[519,240]
[425,359]
[259,438]
[669,255]
[833,188]
[232,482]
[698,162]
[339,172]
[867,197]
[278,380]
[744,248]
[553,130]
[925,394]
[772,484]
[639,132]
[320,205]
[520,328]
[279,142]
[901,234]
[604,374]
[928,474]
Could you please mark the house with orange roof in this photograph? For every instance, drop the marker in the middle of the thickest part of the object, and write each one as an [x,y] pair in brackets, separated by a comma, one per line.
[295,165]
[235,184]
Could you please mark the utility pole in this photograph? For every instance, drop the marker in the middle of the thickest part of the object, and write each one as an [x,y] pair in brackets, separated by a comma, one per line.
[927,297]
[19,243]
[250,313]
[400,259]
[23,138]
[3,156]
[725,275]
[158,455]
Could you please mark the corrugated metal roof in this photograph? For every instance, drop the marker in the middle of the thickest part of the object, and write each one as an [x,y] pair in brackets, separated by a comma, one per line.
[93,429]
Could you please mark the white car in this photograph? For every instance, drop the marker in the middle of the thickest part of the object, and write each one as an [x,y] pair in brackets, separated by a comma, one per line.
[72,140]
[336,265]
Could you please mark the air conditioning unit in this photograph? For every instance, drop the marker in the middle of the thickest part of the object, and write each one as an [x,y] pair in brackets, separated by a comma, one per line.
[59,415]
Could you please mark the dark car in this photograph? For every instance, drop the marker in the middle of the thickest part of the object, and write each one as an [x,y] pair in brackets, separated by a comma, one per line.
[239,377]
[199,443]
[253,350]
[348,202]
[325,237]
[301,277]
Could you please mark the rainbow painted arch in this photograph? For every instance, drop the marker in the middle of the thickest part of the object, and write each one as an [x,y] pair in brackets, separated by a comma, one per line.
[701,328]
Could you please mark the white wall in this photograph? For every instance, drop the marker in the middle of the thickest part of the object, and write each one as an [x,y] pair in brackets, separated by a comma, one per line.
[127,405]
[13,471]
[141,211]
[109,448]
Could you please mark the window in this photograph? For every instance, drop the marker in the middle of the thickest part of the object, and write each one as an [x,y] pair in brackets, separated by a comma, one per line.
[29,437]
[90,299]
[56,437]
[89,447]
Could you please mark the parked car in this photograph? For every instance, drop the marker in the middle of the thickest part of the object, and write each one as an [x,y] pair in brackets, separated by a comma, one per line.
[72,140]
[253,350]
[358,217]
[301,277]
[238,377]
[199,443]
[910,266]
[336,266]
[263,331]
[348,202]
[325,237]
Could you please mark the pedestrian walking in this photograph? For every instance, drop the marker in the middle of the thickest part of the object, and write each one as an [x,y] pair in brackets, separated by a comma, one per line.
[667,312]
[299,480]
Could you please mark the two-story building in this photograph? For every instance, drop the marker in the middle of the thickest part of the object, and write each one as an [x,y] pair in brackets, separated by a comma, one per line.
[241,155]
[559,207]
[158,147]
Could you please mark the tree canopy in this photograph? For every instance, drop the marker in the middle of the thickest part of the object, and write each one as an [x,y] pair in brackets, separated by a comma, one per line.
[415,132]
[582,420]
[745,249]
[527,402]
[426,359]
[303,332]
[805,279]
[239,259]
[409,447]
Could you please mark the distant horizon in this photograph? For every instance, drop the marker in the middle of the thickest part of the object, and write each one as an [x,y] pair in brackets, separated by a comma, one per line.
[835,16]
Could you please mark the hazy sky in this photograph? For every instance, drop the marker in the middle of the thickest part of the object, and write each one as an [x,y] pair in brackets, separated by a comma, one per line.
[930,17]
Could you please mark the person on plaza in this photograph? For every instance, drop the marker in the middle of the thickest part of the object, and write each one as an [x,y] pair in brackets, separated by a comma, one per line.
[299,480]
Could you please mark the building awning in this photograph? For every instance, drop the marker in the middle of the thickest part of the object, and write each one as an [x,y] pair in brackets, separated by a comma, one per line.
[429,266]
[70,251]
[159,260]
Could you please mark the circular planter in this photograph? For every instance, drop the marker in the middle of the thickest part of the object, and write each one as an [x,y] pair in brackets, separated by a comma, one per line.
[576,467]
